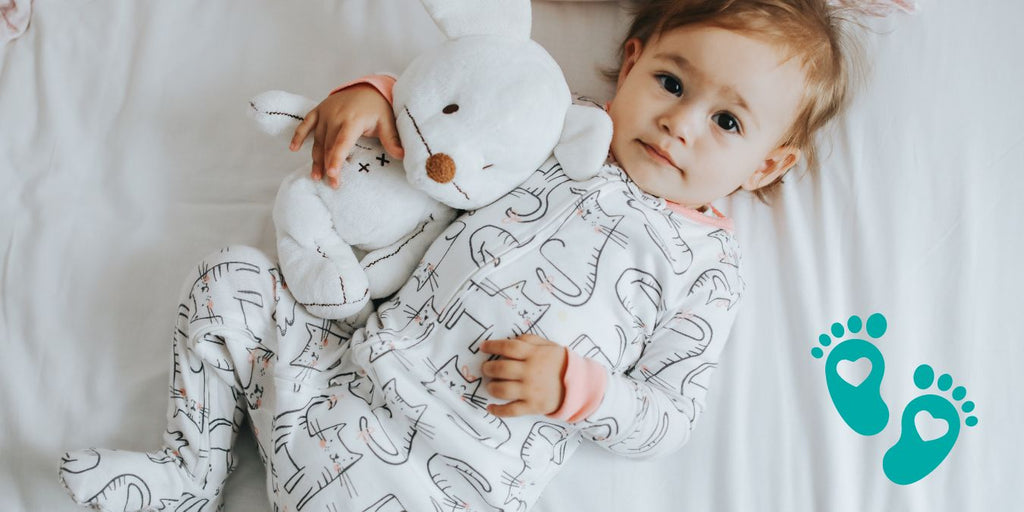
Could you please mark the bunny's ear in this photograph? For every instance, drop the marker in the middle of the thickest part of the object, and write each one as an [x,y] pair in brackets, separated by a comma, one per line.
[458,18]
[277,111]
[586,137]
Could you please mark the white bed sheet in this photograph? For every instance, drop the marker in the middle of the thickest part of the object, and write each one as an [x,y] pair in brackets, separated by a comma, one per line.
[125,156]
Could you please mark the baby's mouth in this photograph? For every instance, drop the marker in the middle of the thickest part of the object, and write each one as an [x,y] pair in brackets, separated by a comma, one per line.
[658,156]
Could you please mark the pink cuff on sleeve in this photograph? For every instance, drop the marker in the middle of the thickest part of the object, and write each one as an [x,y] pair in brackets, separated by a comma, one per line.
[585,381]
[384,84]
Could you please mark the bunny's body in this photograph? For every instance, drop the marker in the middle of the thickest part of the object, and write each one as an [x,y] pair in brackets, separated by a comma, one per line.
[338,248]
[476,116]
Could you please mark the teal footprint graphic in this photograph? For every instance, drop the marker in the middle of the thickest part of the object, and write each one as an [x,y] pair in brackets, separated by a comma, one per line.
[913,457]
[860,404]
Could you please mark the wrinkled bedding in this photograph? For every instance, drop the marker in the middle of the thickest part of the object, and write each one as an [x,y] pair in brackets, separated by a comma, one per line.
[126,156]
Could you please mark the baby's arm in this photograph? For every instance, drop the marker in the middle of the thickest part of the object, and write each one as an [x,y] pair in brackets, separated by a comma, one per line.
[650,409]
[360,108]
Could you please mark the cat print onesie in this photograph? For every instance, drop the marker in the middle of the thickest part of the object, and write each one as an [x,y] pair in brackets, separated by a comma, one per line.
[392,416]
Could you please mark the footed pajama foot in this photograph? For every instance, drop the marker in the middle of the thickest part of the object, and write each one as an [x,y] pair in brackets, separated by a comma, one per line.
[123,481]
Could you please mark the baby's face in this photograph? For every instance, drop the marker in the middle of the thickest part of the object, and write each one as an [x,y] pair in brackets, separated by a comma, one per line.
[701,111]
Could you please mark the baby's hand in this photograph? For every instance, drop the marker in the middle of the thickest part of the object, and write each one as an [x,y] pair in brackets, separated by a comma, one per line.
[340,119]
[529,375]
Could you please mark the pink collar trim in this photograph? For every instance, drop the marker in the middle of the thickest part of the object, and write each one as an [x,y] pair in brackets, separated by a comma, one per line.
[718,221]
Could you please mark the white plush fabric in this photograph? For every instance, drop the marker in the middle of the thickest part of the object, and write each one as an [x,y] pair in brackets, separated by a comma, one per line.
[125,156]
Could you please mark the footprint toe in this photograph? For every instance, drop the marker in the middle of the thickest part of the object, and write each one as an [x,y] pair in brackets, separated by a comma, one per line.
[837,330]
[945,381]
[877,325]
[923,376]
[854,324]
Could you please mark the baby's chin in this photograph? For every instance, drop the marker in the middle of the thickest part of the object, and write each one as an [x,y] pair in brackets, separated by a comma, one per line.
[656,181]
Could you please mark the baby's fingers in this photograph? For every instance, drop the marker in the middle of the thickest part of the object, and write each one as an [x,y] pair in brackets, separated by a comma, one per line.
[339,148]
[389,138]
[511,390]
[512,349]
[302,130]
[317,172]
[505,369]
[516,408]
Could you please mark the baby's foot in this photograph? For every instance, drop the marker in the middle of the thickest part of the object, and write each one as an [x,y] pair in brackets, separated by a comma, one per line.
[122,481]
[913,457]
[853,374]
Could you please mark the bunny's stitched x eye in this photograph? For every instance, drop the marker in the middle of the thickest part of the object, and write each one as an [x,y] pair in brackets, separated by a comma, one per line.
[451,109]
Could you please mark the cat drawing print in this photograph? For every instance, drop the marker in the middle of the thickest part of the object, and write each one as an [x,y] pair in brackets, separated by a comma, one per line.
[663,228]
[714,285]
[449,381]
[313,452]
[394,416]
[476,310]
[531,200]
[462,485]
[419,323]
[573,284]
[545,442]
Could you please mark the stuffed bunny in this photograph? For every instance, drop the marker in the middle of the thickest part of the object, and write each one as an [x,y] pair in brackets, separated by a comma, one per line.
[476,117]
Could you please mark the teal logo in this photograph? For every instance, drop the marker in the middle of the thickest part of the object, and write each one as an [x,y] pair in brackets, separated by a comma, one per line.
[930,423]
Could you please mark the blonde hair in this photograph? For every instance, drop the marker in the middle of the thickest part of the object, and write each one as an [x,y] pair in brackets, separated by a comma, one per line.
[809,30]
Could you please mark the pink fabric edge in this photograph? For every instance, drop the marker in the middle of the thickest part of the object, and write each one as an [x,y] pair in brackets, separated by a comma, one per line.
[585,381]
[719,221]
[385,84]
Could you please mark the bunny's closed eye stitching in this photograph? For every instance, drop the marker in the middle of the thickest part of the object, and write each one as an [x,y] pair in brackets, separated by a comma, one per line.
[451,109]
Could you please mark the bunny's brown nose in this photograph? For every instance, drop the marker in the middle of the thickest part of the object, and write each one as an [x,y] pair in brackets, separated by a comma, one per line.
[441,168]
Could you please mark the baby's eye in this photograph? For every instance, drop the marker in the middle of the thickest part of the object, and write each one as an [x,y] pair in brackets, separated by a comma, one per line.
[726,122]
[670,84]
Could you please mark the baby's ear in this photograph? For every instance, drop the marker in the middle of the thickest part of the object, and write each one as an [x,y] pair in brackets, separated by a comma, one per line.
[776,164]
[458,18]
[583,146]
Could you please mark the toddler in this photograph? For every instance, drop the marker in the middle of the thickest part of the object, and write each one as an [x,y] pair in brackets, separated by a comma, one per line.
[564,312]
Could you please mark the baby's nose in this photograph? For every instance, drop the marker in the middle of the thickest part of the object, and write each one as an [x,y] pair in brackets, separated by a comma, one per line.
[682,122]
[441,168]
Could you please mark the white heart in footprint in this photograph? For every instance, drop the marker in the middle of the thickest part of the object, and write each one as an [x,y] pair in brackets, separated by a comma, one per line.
[854,372]
[929,427]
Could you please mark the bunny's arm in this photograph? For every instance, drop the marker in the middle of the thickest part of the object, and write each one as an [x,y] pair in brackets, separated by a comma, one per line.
[389,267]
[319,267]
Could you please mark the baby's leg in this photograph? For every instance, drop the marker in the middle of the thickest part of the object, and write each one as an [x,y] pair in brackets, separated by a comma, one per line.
[222,352]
